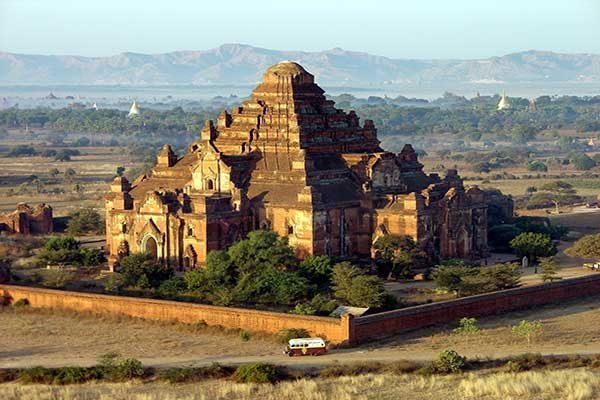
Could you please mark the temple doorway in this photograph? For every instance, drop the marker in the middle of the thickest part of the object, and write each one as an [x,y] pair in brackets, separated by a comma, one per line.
[151,248]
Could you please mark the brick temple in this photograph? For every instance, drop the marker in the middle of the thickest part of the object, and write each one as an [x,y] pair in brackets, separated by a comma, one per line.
[27,220]
[287,160]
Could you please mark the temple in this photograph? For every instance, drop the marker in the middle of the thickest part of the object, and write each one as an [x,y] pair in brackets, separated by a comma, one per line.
[287,160]
[26,220]
[503,104]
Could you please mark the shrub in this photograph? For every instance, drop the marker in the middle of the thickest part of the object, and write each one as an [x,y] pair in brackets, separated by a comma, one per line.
[335,371]
[129,368]
[115,368]
[524,362]
[448,361]
[172,286]
[21,303]
[245,336]
[178,375]
[304,309]
[36,375]
[587,246]
[293,333]
[467,326]
[257,373]
[91,257]
[57,279]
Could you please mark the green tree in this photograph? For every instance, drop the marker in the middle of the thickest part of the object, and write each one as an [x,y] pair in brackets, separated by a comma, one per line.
[53,173]
[352,287]
[142,270]
[537,166]
[60,250]
[260,250]
[451,274]
[120,170]
[559,190]
[499,236]
[78,188]
[588,246]
[523,134]
[533,245]
[399,256]
[317,269]
[85,220]
[548,268]
[528,329]
[582,161]
[69,174]
[530,190]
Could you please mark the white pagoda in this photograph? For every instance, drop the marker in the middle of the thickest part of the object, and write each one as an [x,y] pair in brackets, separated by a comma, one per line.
[133,110]
[503,104]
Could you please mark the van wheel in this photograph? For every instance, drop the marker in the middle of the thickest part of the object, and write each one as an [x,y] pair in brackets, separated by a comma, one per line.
[290,354]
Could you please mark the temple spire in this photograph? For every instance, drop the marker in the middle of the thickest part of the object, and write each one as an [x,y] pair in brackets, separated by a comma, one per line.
[503,104]
[133,110]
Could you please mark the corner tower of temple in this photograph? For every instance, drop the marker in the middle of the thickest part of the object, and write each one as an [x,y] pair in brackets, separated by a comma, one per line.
[287,160]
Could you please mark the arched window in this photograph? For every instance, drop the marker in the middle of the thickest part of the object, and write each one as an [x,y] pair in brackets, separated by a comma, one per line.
[290,230]
[190,231]
[124,227]
[210,184]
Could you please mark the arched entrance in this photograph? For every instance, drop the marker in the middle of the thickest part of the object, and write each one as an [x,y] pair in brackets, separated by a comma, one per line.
[151,247]
[190,258]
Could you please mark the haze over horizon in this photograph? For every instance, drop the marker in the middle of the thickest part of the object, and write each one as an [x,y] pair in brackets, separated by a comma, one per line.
[391,29]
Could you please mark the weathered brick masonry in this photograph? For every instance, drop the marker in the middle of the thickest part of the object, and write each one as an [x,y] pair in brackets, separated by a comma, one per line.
[371,326]
[336,330]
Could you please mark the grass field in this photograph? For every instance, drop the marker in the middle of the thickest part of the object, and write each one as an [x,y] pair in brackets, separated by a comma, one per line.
[569,384]
[95,168]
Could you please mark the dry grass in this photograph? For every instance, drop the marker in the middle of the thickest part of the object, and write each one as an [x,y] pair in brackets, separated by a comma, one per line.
[55,337]
[575,384]
[563,331]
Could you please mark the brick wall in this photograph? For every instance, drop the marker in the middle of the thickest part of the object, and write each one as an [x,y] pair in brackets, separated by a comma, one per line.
[406,319]
[346,329]
[336,330]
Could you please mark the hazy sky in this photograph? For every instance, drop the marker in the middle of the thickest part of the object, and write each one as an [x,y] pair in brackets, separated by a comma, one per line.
[394,28]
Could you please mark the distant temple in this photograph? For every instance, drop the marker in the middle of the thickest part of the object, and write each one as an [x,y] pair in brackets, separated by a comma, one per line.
[287,160]
[503,104]
[531,107]
[133,110]
[27,220]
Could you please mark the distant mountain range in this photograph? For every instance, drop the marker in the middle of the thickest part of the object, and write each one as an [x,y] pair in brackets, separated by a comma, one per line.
[237,64]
